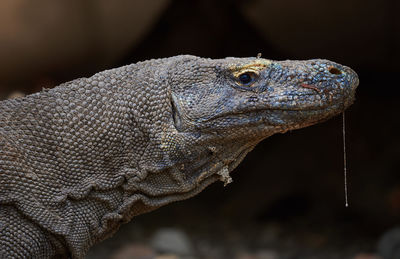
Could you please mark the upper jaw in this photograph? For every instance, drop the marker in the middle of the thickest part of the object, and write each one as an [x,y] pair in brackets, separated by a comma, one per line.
[299,102]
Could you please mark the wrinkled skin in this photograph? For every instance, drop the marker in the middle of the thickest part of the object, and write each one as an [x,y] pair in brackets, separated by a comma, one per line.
[78,160]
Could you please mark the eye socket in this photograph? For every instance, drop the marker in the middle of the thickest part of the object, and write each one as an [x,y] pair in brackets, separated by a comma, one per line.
[247,78]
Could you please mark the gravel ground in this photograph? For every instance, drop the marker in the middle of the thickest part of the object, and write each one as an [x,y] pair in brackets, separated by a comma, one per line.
[214,238]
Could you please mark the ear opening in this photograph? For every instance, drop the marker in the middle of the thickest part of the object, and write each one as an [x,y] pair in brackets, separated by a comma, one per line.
[176,113]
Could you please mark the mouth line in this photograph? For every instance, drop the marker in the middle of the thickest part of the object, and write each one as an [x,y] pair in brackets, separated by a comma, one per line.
[260,111]
[322,109]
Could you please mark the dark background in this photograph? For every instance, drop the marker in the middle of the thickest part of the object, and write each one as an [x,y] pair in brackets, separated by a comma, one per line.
[287,197]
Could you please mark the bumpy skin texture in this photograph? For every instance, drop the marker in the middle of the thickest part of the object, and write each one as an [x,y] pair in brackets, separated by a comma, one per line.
[79,160]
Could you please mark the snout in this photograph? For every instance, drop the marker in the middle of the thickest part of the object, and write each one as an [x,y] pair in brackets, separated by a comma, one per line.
[333,78]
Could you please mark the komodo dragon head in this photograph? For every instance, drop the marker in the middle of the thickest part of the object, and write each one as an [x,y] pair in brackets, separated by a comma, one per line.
[220,109]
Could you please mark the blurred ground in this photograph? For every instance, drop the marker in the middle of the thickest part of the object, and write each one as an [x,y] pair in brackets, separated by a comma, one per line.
[287,199]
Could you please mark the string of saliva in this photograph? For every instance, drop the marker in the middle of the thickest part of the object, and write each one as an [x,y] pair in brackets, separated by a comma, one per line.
[344,160]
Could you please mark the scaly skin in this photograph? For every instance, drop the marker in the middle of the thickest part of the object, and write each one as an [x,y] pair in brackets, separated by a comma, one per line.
[79,160]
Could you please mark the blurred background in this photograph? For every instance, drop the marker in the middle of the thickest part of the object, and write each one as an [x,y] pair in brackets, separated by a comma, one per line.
[287,197]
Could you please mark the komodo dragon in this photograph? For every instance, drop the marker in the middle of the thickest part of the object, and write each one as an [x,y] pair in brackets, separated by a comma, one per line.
[80,159]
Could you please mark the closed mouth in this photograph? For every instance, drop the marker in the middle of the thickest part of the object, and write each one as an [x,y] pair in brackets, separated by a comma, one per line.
[259,113]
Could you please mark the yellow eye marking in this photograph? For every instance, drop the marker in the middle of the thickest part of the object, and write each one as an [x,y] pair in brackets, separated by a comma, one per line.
[254,67]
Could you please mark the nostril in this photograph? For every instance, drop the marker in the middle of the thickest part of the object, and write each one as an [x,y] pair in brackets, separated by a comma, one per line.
[334,70]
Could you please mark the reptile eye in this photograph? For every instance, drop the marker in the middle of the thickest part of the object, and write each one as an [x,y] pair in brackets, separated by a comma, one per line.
[247,78]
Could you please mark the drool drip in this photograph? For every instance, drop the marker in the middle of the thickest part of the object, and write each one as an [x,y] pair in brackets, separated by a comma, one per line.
[344,160]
